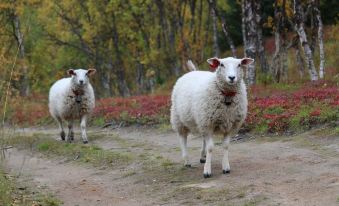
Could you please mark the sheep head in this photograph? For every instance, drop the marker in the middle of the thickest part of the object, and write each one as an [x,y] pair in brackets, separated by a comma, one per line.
[80,77]
[229,70]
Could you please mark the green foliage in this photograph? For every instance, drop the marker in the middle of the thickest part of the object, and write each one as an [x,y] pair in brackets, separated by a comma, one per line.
[124,40]
[74,152]
[274,110]
[5,190]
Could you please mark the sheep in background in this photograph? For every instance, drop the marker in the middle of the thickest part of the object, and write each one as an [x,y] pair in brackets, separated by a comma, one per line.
[72,98]
[206,103]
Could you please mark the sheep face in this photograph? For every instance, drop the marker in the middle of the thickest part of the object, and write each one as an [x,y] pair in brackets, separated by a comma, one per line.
[80,77]
[229,69]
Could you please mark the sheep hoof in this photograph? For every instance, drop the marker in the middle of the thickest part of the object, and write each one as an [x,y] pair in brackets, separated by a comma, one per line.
[71,136]
[85,142]
[206,175]
[202,161]
[226,171]
[187,165]
[63,135]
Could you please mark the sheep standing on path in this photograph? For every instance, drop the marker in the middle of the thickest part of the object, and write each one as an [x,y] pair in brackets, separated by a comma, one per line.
[72,98]
[205,103]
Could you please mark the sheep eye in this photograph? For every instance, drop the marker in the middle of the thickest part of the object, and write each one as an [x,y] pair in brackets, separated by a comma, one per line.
[239,65]
[222,65]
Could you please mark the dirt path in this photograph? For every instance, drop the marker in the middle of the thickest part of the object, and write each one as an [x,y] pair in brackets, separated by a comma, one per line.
[304,171]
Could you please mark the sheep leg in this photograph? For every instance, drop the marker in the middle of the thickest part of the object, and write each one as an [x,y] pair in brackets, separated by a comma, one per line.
[61,127]
[203,152]
[225,163]
[207,166]
[83,129]
[70,135]
[183,145]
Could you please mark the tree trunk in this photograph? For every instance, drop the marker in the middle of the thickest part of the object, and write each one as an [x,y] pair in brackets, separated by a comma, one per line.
[24,84]
[300,61]
[251,38]
[320,39]
[260,41]
[243,23]
[276,63]
[299,28]
[215,28]
[279,62]
[206,29]
[140,77]
[119,68]
[224,28]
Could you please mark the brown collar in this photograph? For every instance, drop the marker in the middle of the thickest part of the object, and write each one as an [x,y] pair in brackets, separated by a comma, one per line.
[78,95]
[78,92]
[228,93]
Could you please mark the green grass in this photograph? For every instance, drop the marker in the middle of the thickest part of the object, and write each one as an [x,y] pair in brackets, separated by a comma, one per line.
[208,196]
[261,128]
[72,151]
[48,200]
[6,190]
[10,194]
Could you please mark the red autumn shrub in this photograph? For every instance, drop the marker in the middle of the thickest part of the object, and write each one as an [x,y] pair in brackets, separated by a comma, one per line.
[272,109]
[137,109]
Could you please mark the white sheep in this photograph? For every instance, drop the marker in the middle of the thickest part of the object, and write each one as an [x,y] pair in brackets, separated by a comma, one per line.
[206,103]
[72,98]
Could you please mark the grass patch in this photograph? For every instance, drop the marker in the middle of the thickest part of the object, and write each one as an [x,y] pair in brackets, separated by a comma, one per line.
[11,193]
[211,196]
[72,152]
[6,190]
[164,127]
[129,173]
[48,200]
[318,140]
[167,164]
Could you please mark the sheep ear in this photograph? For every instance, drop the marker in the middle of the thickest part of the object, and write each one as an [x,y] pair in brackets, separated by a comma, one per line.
[214,63]
[71,72]
[90,72]
[246,61]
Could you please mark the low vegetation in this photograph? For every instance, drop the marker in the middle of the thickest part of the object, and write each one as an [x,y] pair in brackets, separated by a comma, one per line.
[12,193]
[280,108]
[70,152]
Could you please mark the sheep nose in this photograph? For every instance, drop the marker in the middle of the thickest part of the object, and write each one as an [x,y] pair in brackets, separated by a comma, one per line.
[81,81]
[231,78]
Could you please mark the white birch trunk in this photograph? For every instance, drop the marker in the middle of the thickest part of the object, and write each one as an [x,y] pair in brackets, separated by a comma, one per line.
[243,23]
[251,38]
[24,86]
[299,28]
[229,40]
[321,42]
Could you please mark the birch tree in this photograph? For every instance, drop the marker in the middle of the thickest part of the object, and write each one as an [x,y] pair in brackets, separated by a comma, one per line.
[225,28]
[260,39]
[250,33]
[315,6]
[299,16]
[279,61]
